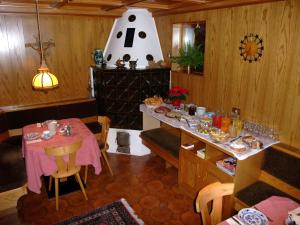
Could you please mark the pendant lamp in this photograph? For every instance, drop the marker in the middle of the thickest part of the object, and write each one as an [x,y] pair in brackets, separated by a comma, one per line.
[44,80]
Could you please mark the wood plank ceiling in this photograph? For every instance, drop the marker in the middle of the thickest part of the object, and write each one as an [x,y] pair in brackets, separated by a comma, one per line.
[117,7]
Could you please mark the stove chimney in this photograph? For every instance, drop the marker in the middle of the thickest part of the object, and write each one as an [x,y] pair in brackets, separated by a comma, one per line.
[133,37]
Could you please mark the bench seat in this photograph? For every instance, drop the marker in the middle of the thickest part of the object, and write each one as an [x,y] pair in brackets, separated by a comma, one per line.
[162,143]
[12,167]
[258,192]
[279,176]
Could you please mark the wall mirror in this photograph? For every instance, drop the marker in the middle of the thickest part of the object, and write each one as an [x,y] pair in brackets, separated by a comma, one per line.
[188,38]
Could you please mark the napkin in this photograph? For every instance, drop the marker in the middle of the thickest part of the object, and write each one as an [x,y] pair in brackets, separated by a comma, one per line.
[294,216]
[231,221]
[34,141]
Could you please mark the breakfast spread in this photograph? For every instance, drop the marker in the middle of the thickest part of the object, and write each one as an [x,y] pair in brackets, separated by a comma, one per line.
[252,142]
[173,114]
[219,136]
[238,146]
[153,102]
[162,109]
[242,140]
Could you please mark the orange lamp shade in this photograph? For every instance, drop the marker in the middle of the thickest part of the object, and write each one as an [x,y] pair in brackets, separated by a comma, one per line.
[44,80]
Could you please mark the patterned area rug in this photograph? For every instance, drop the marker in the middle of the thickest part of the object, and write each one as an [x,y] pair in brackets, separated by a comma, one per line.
[116,213]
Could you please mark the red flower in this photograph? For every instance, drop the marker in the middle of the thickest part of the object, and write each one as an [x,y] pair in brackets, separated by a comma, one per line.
[178,93]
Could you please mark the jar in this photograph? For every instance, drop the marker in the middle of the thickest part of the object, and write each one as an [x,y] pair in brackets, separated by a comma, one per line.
[98,56]
[192,110]
[226,121]
[238,125]
[217,120]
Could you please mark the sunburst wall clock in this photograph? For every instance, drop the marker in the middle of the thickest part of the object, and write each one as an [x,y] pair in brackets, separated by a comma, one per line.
[251,47]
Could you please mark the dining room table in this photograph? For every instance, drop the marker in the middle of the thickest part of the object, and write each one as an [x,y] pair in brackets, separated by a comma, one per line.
[39,164]
[275,208]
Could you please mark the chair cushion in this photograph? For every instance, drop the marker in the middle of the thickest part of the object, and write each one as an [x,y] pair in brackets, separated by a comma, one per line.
[283,166]
[163,138]
[258,192]
[12,167]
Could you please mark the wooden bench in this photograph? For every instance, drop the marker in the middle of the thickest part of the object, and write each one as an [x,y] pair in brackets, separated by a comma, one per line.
[164,142]
[279,175]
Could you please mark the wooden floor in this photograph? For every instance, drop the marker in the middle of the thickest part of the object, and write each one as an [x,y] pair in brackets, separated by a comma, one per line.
[150,189]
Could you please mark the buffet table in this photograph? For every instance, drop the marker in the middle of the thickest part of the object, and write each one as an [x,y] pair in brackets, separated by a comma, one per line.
[183,125]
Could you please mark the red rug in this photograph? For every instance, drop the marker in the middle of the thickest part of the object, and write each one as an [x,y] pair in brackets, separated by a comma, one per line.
[116,213]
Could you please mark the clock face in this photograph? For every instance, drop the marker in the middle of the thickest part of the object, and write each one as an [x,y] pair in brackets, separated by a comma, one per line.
[251,47]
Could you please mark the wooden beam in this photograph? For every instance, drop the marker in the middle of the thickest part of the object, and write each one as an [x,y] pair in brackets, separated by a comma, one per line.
[96,2]
[151,5]
[177,9]
[126,3]
[59,3]
[66,10]
[195,1]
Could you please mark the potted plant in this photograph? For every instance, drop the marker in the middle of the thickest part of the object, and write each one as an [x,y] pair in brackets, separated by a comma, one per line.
[190,57]
[177,94]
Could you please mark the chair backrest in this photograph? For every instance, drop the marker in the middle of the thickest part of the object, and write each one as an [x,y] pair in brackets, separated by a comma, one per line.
[105,124]
[212,193]
[60,152]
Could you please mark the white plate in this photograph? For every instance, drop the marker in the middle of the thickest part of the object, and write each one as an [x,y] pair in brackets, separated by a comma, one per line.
[250,216]
[32,136]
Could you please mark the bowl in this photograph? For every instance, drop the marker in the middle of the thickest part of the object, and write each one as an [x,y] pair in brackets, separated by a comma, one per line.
[219,136]
[200,111]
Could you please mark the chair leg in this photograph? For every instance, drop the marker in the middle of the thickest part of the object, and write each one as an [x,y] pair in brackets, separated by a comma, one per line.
[50,183]
[56,192]
[107,162]
[86,173]
[81,186]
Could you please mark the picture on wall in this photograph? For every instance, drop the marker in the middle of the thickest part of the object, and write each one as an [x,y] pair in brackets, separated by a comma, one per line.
[188,46]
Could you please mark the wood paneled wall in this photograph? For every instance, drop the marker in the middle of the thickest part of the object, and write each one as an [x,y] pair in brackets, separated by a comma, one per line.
[75,38]
[267,91]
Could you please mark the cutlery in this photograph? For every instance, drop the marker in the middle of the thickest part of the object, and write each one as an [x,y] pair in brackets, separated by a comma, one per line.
[237,220]
[234,139]
[188,122]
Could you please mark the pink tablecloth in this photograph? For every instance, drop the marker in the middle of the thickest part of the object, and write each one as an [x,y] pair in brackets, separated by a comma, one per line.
[276,208]
[38,163]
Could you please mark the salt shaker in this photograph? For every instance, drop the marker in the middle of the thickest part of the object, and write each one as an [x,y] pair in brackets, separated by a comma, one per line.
[68,130]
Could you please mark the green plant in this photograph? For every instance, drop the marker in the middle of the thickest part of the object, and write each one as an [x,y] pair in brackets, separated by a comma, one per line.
[190,56]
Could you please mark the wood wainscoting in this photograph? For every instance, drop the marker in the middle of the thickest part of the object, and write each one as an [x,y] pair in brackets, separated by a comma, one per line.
[75,38]
[267,91]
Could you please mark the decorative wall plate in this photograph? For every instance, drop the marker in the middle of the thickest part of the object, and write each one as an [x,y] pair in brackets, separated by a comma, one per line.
[251,47]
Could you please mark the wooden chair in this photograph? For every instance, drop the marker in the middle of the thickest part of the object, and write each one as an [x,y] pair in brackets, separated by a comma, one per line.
[102,142]
[65,169]
[212,193]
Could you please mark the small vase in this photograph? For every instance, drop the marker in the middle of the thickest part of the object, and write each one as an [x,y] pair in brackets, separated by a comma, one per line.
[176,103]
[98,56]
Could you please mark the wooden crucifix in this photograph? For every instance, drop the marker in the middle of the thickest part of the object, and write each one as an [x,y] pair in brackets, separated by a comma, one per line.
[36,45]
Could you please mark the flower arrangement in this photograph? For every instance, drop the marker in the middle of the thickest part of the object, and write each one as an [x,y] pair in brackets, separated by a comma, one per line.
[178,93]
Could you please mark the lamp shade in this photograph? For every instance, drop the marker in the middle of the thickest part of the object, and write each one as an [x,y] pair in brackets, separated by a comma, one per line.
[44,80]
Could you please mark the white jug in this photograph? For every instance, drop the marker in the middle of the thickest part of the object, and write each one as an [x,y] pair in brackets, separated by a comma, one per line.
[52,127]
